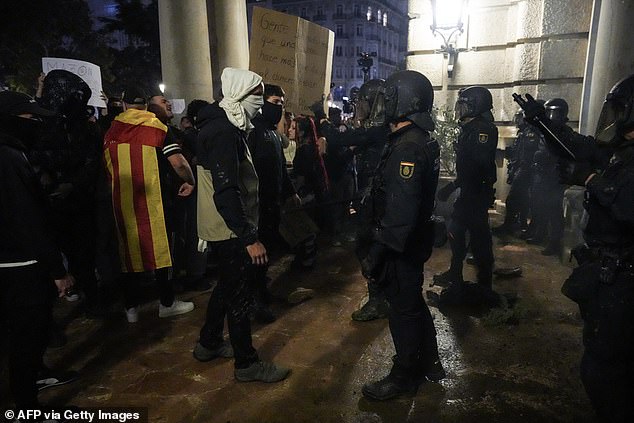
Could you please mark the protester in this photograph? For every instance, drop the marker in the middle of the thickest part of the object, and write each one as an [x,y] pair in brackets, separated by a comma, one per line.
[228,219]
[31,264]
[274,188]
[137,153]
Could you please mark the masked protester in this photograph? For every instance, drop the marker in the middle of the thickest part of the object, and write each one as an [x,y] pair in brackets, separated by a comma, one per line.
[31,265]
[68,159]
[476,174]
[228,223]
[401,204]
[274,188]
[603,283]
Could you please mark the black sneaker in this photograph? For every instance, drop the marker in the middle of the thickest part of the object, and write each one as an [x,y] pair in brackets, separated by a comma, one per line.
[49,378]
[387,388]
[446,278]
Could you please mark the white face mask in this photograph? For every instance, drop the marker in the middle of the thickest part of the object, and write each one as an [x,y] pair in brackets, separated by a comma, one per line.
[252,104]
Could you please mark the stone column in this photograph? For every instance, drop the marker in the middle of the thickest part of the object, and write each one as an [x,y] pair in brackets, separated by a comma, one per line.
[228,33]
[610,56]
[185,52]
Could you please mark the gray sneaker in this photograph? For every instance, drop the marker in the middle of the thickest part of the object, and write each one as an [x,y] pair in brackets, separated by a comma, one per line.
[372,310]
[262,371]
[224,350]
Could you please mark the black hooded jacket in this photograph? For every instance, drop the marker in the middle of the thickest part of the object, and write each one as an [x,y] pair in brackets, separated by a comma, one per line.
[224,156]
[24,226]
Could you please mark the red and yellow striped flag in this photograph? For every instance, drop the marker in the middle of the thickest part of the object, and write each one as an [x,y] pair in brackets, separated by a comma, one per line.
[130,154]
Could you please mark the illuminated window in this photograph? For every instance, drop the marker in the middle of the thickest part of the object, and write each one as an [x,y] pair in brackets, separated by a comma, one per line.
[385,19]
[369,14]
[378,15]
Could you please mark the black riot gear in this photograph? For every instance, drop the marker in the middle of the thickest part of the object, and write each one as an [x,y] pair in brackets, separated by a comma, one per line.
[65,93]
[474,101]
[409,95]
[617,117]
[557,110]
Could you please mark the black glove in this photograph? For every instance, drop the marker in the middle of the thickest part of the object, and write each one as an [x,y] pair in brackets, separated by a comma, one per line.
[574,173]
[533,110]
[373,262]
[445,192]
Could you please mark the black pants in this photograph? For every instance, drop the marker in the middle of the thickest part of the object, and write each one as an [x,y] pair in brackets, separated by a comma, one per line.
[26,295]
[518,200]
[131,287]
[474,220]
[411,323]
[231,298]
[77,233]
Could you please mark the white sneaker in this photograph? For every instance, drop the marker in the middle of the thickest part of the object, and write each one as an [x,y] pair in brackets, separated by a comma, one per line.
[132,314]
[177,307]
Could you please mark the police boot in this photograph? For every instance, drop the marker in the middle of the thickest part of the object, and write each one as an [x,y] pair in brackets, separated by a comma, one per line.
[396,383]
[455,294]
[447,278]
[377,306]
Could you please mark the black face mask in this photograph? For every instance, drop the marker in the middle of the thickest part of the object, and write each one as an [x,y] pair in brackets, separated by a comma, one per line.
[28,131]
[272,113]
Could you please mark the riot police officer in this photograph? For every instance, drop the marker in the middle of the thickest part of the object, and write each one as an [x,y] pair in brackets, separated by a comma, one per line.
[603,284]
[476,174]
[548,194]
[368,136]
[520,176]
[401,204]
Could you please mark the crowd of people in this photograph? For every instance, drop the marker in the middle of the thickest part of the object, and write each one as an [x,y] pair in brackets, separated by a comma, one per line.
[96,204]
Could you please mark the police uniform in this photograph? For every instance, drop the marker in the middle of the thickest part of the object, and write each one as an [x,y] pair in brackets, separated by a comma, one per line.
[521,177]
[476,174]
[603,287]
[401,206]
[603,284]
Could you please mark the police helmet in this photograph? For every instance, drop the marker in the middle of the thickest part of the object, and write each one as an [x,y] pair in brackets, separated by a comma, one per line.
[474,101]
[557,110]
[370,89]
[617,117]
[409,95]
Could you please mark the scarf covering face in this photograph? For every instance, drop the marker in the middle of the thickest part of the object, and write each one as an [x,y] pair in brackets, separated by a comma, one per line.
[236,85]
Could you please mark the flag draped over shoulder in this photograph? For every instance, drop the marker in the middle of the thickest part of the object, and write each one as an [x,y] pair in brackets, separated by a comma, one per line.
[130,154]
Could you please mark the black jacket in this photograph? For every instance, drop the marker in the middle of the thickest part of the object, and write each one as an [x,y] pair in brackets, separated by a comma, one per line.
[265,145]
[24,228]
[475,163]
[221,148]
[403,192]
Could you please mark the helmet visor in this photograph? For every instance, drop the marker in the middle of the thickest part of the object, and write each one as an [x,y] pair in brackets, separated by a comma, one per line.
[462,109]
[377,110]
[612,115]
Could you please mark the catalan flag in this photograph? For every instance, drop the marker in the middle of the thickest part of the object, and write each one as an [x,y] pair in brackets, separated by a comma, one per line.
[130,155]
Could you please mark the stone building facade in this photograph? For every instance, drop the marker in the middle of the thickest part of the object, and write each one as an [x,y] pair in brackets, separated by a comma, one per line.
[528,46]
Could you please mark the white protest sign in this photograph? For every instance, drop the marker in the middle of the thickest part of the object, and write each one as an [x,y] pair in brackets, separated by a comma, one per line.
[89,72]
[178,105]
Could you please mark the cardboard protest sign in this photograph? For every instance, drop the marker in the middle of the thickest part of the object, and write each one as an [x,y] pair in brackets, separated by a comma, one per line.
[293,53]
[85,70]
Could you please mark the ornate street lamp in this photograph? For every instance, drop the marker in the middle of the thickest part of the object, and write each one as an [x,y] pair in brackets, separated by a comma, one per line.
[447,22]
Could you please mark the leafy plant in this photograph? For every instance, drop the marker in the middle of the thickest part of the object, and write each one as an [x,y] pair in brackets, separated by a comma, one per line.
[446,132]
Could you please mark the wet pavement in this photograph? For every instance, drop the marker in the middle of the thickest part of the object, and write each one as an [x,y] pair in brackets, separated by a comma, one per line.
[516,364]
